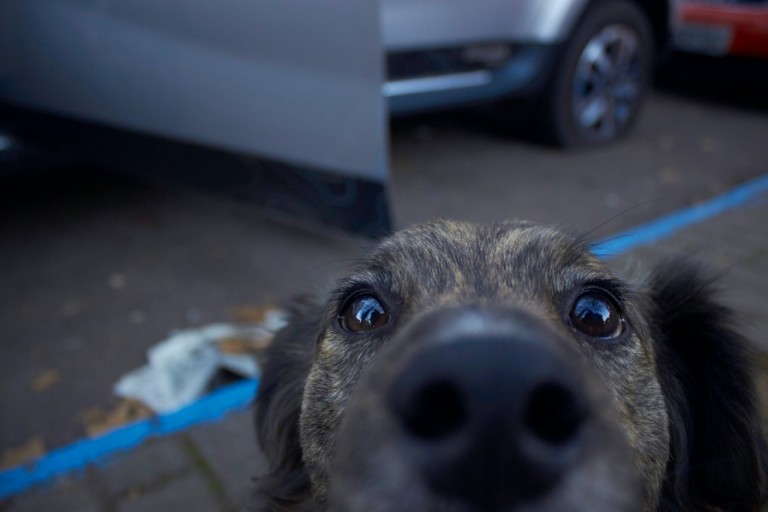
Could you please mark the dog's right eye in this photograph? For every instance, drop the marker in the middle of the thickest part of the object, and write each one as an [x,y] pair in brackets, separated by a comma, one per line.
[363,313]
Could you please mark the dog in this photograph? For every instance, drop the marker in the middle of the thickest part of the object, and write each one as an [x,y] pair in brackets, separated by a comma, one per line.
[504,367]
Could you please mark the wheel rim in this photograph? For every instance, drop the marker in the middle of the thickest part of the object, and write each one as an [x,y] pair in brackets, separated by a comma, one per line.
[607,84]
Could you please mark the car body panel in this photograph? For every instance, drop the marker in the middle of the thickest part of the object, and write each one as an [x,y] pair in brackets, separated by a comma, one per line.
[429,23]
[298,83]
[275,103]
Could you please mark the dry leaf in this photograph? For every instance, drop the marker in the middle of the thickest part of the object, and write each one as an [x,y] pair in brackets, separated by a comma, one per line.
[46,380]
[244,344]
[97,420]
[31,450]
[251,313]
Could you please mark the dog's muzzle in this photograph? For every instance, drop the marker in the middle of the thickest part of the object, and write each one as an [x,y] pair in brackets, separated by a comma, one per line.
[486,409]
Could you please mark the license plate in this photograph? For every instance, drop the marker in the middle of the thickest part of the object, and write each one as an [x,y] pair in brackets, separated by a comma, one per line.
[700,38]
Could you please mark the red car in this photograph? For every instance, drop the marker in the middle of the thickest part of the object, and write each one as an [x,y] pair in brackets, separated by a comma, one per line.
[735,27]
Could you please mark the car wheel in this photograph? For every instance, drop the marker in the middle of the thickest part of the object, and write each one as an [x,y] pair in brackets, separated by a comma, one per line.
[602,79]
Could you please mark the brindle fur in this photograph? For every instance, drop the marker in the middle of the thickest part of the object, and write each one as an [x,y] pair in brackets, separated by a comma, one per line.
[677,386]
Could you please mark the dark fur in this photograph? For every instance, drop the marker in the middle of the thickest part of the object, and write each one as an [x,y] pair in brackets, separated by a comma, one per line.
[718,452]
[717,457]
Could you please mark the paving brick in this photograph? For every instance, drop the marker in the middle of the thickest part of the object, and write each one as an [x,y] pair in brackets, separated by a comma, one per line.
[67,494]
[157,460]
[190,493]
[229,446]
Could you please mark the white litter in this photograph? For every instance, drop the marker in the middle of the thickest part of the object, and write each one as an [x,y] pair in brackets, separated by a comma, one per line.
[181,367]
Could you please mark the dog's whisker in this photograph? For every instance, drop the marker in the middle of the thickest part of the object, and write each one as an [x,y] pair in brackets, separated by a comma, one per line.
[588,237]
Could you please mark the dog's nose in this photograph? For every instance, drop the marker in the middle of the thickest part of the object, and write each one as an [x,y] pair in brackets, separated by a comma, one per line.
[490,421]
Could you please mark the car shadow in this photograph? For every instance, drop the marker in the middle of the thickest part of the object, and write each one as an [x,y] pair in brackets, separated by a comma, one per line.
[738,82]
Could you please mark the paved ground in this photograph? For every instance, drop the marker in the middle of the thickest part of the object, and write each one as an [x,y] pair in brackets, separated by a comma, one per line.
[98,268]
[208,468]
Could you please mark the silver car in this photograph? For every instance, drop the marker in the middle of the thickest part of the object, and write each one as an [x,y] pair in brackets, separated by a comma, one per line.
[584,65]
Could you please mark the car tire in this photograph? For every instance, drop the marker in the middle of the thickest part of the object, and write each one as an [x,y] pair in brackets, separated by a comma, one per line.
[602,77]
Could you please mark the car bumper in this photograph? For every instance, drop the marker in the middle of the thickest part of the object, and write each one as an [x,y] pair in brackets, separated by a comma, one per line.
[723,29]
[434,79]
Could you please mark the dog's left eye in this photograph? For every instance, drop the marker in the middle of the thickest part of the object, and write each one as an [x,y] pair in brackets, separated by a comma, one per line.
[596,314]
[363,313]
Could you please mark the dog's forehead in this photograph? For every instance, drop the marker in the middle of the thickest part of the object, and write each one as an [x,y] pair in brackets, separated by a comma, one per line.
[455,255]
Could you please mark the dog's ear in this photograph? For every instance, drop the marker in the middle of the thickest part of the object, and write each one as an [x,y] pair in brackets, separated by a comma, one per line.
[286,364]
[718,455]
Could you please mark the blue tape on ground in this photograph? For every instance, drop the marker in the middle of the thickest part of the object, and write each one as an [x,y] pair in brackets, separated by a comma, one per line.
[78,455]
[668,225]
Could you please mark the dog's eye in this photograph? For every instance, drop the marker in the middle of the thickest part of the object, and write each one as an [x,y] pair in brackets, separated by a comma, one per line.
[363,313]
[596,314]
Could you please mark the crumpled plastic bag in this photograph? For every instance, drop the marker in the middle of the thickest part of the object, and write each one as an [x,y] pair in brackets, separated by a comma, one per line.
[181,367]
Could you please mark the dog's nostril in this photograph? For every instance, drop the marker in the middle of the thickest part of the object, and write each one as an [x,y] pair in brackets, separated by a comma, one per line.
[435,411]
[554,414]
